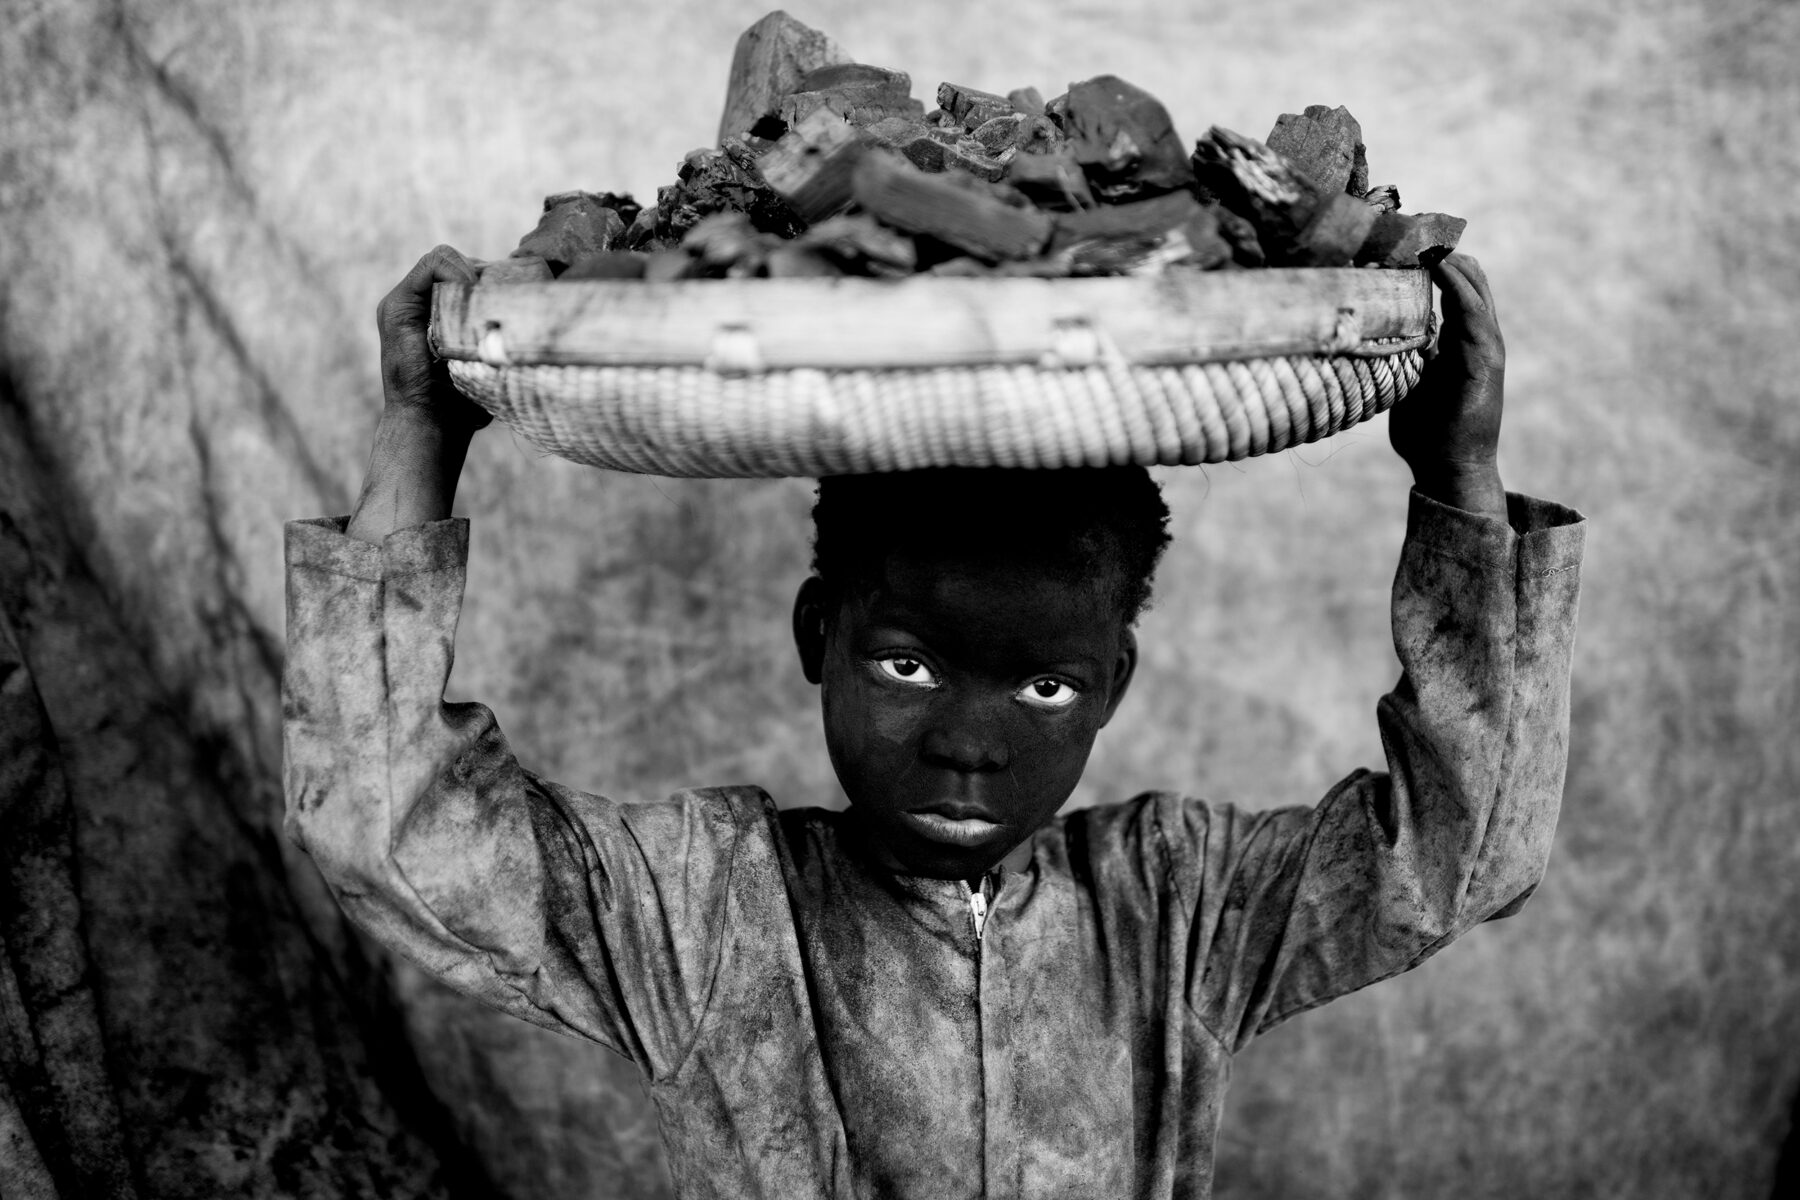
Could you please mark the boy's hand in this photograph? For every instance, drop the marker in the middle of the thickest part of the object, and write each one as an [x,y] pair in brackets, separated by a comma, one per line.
[1448,429]
[413,379]
[425,423]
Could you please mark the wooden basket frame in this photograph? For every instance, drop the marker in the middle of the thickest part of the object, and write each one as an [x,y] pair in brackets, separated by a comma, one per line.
[747,377]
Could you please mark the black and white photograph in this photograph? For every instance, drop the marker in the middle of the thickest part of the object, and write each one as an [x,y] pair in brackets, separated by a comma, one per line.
[933,600]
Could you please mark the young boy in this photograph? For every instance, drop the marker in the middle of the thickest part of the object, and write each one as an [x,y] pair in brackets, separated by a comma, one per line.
[946,990]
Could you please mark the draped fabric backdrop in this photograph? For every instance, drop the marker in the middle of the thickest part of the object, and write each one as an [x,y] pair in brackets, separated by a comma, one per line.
[202,202]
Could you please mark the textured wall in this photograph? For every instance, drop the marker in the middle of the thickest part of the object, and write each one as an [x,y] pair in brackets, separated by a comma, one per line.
[203,200]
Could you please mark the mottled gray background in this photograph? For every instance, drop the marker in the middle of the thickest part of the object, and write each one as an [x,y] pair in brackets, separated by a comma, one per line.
[202,201]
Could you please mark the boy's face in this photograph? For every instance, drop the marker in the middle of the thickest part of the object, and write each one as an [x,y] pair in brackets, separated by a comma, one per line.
[961,699]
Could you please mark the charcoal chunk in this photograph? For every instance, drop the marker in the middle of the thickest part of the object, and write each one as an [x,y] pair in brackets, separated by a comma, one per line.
[971,107]
[1124,139]
[1027,100]
[1410,239]
[711,182]
[978,224]
[1259,185]
[1143,235]
[1052,179]
[859,245]
[1385,198]
[811,166]
[1000,133]
[575,225]
[859,93]
[1326,145]
[1338,230]
[771,59]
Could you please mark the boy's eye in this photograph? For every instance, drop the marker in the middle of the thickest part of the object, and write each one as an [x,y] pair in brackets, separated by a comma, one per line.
[907,670]
[1049,693]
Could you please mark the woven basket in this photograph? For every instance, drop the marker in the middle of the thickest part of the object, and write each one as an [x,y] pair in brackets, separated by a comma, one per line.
[749,377]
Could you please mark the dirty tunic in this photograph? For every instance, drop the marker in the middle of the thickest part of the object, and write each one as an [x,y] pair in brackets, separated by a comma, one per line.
[812,1025]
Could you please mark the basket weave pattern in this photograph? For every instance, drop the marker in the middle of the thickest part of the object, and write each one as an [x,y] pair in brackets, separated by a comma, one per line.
[694,421]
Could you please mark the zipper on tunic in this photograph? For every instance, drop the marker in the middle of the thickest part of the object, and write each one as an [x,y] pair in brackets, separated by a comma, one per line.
[978,906]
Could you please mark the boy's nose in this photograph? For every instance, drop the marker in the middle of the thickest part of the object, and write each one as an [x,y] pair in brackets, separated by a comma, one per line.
[966,741]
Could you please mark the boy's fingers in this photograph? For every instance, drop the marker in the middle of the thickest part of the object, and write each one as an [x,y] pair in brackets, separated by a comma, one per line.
[1468,301]
[1456,278]
[1471,266]
[411,373]
[412,295]
[443,264]
[401,316]
[410,300]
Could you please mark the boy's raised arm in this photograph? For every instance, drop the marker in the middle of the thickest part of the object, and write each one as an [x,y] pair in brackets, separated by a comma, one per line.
[567,909]
[1296,906]
[426,423]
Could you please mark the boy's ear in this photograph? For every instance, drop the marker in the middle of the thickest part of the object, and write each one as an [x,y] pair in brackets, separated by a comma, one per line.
[809,627]
[1124,667]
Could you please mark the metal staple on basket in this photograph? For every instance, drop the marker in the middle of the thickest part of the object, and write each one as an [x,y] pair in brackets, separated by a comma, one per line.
[695,421]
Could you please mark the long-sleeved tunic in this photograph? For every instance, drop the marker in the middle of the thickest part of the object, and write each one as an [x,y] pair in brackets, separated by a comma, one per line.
[812,1025]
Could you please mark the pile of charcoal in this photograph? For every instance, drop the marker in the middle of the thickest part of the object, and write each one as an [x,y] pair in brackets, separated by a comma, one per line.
[829,167]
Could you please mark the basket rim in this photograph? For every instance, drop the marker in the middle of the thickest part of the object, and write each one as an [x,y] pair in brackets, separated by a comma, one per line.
[695,422]
[928,322]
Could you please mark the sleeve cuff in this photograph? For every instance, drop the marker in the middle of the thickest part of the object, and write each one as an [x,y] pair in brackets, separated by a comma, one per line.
[320,544]
[1540,536]
[1473,538]
[1551,536]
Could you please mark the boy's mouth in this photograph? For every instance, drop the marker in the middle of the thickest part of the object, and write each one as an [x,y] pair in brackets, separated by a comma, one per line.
[954,826]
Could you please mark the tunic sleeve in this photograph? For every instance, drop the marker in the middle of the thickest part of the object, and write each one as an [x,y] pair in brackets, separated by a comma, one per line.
[1293,907]
[590,917]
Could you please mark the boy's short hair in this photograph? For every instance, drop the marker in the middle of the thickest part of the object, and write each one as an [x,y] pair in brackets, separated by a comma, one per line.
[1093,523]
